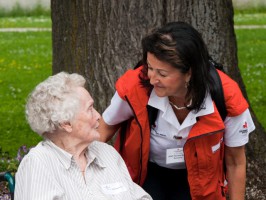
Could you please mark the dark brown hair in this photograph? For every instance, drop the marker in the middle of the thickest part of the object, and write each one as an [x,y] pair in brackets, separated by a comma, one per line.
[182,46]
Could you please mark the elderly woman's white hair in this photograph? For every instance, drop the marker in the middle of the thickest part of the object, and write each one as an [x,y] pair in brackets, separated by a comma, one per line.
[53,102]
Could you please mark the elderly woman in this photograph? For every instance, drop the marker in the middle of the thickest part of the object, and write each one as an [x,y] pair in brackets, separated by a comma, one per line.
[69,163]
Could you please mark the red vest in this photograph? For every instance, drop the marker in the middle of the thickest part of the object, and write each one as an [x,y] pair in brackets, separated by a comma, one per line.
[204,149]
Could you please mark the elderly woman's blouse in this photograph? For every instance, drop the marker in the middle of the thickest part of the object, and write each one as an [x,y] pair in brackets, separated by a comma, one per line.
[47,172]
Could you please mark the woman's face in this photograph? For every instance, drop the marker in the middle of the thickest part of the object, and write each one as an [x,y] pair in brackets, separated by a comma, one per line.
[86,121]
[166,79]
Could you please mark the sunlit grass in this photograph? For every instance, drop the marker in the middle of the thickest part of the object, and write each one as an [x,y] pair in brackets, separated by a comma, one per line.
[25,60]
[250,19]
[252,63]
[18,22]
[18,11]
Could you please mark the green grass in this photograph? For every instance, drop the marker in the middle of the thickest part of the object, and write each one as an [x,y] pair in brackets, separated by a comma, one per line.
[30,21]
[25,60]
[250,9]
[252,59]
[18,11]
[250,19]
[252,63]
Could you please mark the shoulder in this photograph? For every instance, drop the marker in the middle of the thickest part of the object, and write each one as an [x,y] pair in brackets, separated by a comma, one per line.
[128,82]
[107,155]
[103,150]
[37,156]
[234,99]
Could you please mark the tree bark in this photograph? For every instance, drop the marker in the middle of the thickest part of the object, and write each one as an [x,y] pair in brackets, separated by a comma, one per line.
[101,39]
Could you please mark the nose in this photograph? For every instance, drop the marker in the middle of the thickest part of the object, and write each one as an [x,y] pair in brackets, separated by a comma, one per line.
[96,114]
[153,77]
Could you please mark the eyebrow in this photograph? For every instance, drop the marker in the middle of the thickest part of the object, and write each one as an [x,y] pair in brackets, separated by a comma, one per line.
[157,68]
[89,103]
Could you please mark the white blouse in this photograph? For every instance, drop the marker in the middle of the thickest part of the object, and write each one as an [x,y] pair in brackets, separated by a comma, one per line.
[49,173]
[167,126]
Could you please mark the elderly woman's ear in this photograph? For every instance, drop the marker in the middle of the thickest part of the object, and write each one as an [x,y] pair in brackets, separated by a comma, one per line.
[66,126]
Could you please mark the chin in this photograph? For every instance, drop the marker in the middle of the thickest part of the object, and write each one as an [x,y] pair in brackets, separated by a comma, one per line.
[160,94]
[97,136]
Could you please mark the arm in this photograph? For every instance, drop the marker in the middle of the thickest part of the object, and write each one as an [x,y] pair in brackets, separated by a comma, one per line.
[107,131]
[235,160]
[117,112]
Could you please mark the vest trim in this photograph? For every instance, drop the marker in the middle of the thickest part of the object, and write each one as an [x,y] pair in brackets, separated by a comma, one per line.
[141,135]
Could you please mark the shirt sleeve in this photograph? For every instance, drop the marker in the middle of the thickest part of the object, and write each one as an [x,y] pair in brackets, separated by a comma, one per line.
[238,128]
[34,182]
[117,112]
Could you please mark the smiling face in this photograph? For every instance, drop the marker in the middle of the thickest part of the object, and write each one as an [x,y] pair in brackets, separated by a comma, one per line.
[166,79]
[86,120]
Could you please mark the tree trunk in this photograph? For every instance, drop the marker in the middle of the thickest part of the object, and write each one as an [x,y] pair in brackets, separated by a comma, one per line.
[101,39]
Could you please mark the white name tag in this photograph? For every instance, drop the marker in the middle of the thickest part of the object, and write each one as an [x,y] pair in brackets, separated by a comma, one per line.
[113,188]
[175,155]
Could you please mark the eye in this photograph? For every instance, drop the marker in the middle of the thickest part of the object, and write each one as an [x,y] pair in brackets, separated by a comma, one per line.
[90,109]
[162,74]
[149,68]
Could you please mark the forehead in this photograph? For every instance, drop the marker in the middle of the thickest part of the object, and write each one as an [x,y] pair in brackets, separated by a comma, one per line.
[154,62]
[84,95]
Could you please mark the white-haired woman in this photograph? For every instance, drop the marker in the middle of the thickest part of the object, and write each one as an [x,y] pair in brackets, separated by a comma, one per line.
[69,163]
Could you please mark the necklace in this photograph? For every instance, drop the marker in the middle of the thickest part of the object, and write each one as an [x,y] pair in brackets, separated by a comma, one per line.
[181,108]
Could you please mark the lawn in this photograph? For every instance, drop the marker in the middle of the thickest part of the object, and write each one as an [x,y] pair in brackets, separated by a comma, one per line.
[252,64]
[250,18]
[26,59]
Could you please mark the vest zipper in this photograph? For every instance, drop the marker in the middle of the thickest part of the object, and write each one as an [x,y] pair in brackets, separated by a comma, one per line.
[193,138]
[202,135]
[141,141]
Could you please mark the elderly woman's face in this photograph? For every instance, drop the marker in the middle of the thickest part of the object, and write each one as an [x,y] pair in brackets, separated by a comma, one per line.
[86,121]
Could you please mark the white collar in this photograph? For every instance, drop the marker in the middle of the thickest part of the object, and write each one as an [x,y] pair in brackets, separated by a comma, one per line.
[161,103]
[67,159]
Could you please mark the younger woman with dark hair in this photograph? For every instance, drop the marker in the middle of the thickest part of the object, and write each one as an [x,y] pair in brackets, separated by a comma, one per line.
[172,137]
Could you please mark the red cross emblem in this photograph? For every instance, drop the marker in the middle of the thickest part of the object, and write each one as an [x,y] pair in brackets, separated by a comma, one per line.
[245,125]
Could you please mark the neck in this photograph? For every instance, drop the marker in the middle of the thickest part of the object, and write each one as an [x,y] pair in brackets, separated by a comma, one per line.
[64,141]
[179,103]
[71,145]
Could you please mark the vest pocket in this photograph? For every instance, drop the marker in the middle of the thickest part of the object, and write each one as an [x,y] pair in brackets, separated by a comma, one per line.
[205,165]
[203,160]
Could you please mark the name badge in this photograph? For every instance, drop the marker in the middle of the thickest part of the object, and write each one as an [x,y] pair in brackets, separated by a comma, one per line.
[113,188]
[175,155]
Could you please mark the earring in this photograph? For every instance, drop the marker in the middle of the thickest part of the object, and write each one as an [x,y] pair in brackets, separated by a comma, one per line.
[187,84]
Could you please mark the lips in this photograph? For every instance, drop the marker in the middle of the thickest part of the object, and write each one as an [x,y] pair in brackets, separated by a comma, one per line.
[158,87]
[97,126]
